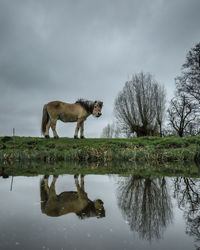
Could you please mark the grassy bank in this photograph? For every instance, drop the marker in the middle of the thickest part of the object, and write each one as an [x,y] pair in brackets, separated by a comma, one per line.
[123,169]
[153,150]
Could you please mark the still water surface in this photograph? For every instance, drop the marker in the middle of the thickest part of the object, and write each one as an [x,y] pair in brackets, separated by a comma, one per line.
[99,212]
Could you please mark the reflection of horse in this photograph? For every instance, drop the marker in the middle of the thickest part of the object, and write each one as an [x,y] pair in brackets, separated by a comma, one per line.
[68,202]
[3,174]
[67,112]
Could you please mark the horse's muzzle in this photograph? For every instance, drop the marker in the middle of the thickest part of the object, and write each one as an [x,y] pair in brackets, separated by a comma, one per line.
[99,114]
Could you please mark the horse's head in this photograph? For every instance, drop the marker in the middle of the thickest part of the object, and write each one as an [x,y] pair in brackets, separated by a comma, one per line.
[93,209]
[99,208]
[97,108]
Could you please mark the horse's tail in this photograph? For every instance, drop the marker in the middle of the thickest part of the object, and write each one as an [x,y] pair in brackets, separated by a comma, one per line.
[43,194]
[45,119]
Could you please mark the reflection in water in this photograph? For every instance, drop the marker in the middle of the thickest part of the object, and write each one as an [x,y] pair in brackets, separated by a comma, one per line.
[146,205]
[187,192]
[144,202]
[69,201]
[3,174]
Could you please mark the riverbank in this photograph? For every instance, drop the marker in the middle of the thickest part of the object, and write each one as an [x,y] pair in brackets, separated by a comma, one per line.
[122,169]
[153,150]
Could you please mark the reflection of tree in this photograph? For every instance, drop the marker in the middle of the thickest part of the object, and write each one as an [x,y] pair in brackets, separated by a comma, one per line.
[187,192]
[146,205]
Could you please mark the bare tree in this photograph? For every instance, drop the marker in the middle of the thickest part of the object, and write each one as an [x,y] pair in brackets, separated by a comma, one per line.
[108,131]
[186,191]
[160,102]
[111,131]
[182,113]
[193,128]
[140,106]
[189,81]
[146,205]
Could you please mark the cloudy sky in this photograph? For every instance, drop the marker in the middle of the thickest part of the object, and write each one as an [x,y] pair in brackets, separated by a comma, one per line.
[67,49]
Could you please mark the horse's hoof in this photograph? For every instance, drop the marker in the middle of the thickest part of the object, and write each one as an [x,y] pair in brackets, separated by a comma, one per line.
[47,136]
[76,137]
[56,137]
[76,176]
[82,137]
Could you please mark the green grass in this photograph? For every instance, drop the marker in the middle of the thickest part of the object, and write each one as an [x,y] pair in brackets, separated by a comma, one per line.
[154,150]
[123,169]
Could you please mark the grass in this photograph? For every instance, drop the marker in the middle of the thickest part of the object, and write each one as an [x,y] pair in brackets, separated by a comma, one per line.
[145,170]
[153,150]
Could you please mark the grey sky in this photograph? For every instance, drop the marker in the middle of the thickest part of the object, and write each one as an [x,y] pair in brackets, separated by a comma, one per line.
[64,50]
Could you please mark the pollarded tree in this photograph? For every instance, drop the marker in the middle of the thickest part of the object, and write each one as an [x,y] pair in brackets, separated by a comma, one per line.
[189,81]
[140,106]
[145,204]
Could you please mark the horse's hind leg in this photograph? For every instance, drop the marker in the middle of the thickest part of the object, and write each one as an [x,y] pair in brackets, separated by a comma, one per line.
[53,127]
[44,192]
[44,184]
[82,183]
[81,127]
[47,130]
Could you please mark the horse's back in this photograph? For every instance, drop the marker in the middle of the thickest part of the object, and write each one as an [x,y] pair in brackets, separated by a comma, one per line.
[70,202]
[66,112]
[55,104]
[64,106]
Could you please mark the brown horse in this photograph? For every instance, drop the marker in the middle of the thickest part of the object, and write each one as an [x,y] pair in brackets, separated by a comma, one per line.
[67,112]
[69,201]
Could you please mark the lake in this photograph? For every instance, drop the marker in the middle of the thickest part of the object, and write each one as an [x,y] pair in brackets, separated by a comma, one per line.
[99,212]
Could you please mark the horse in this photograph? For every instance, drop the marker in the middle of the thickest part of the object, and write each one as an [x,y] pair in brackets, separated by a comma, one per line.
[69,112]
[69,201]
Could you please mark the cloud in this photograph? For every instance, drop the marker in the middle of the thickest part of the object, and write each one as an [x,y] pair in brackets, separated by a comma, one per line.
[65,50]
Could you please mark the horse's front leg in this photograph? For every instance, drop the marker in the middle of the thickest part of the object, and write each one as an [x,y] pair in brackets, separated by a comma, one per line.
[52,191]
[82,183]
[77,185]
[82,131]
[78,125]
[80,189]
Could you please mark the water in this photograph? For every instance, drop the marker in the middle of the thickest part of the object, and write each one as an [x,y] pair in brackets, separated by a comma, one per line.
[131,212]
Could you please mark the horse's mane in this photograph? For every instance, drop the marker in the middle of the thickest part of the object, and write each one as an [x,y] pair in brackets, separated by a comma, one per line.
[90,211]
[86,104]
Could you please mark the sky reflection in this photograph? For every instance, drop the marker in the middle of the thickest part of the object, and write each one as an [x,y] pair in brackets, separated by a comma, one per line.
[134,212]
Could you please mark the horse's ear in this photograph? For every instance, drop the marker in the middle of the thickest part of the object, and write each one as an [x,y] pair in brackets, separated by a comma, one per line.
[101,104]
[95,102]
